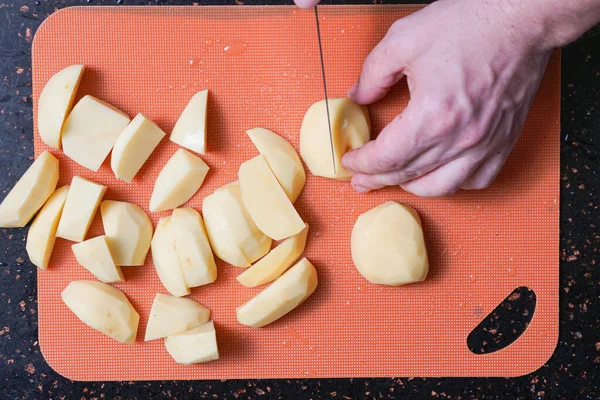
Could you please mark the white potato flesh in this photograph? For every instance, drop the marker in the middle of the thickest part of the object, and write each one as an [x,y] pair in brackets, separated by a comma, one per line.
[271,266]
[282,159]
[165,259]
[81,205]
[94,255]
[91,130]
[233,235]
[388,246]
[42,232]
[289,291]
[179,179]
[193,248]
[266,202]
[134,146]
[104,308]
[350,129]
[128,230]
[196,346]
[55,103]
[190,129]
[30,192]
[172,315]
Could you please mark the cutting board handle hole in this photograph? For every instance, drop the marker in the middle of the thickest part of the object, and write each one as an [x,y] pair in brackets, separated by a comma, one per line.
[505,324]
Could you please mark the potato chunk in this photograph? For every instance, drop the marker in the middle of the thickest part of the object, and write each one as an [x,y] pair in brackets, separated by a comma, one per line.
[172,315]
[388,246]
[94,255]
[195,346]
[165,259]
[190,129]
[104,308]
[80,207]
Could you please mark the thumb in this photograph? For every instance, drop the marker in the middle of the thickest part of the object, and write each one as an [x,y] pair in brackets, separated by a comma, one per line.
[306,3]
[382,69]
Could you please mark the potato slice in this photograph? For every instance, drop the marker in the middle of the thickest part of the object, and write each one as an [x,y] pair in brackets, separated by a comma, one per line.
[134,146]
[350,127]
[30,193]
[91,130]
[195,346]
[282,159]
[42,232]
[179,179]
[190,129]
[281,297]
[266,202]
[80,207]
[104,308]
[166,261]
[94,255]
[271,266]
[55,103]
[172,315]
[128,231]
[233,235]
[388,246]
[193,249]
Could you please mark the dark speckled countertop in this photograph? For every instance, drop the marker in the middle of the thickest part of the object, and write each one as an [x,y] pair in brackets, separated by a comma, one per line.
[572,373]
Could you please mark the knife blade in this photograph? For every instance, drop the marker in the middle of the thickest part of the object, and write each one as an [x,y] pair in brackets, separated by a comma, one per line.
[325,89]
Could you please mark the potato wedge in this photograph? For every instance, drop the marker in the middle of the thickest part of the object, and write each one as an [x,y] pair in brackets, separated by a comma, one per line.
[172,315]
[195,346]
[165,259]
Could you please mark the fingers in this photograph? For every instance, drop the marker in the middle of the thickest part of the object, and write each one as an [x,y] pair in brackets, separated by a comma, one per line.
[443,181]
[382,69]
[487,172]
[306,3]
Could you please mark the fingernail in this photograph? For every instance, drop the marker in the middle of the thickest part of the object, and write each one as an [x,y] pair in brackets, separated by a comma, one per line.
[352,90]
[360,189]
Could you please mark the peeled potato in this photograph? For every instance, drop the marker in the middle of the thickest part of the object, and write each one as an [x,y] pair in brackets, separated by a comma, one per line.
[233,235]
[42,232]
[190,129]
[281,297]
[266,202]
[282,159]
[271,266]
[172,315]
[128,230]
[55,103]
[80,207]
[350,128]
[178,180]
[91,130]
[103,308]
[165,259]
[134,146]
[388,246]
[195,346]
[30,193]
[94,255]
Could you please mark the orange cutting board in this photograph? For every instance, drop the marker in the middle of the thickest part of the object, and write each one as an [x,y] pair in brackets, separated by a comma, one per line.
[261,65]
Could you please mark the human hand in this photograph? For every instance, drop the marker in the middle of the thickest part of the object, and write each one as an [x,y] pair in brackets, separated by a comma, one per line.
[473,70]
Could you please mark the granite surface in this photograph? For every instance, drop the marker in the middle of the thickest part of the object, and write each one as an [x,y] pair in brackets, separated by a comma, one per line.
[572,373]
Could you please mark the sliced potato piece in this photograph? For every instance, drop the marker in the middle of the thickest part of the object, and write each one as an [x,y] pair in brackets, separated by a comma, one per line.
[134,146]
[271,266]
[266,202]
[165,259]
[80,207]
[282,296]
[94,255]
[30,192]
[350,129]
[172,315]
[195,346]
[179,179]
[104,308]
[193,249]
[282,159]
[388,246]
[233,235]
[55,103]
[91,130]
[190,129]
[42,232]
[128,230]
